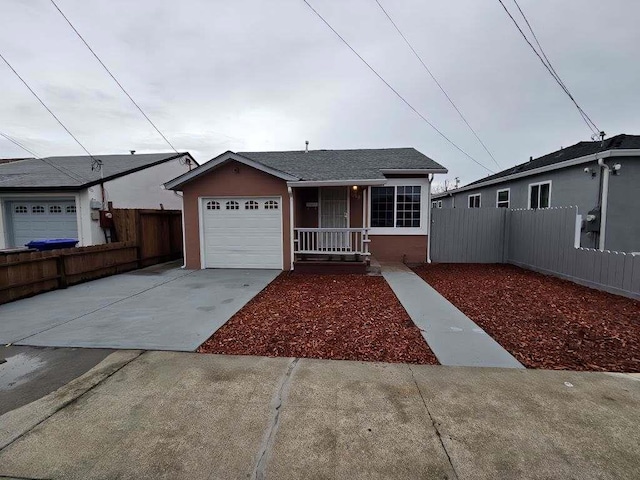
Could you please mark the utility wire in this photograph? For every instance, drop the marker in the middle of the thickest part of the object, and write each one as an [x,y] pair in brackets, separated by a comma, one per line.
[428,70]
[68,173]
[94,161]
[394,90]
[592,126]
[114,78]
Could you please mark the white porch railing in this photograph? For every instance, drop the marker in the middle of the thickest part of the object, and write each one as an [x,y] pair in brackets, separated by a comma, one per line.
[331,241]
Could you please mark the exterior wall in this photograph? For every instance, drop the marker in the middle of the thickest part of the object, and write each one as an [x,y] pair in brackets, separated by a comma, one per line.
[623,210]
[305,216]
[234,180]
[143,189]
[398,248]
[355,208]
[569,187]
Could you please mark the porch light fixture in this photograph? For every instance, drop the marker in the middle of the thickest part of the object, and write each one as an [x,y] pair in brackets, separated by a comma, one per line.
[354,188]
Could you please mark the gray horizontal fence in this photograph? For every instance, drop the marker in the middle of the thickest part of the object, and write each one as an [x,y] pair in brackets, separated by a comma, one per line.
[540,240]
[467,235]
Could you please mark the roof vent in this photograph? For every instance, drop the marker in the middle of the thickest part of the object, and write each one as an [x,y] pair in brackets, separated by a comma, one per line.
[306,146]
[531,159]
[132,152]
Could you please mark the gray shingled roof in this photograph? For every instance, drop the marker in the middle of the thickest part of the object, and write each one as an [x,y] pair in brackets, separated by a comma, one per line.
[73,173]
[363,164]
[580,149]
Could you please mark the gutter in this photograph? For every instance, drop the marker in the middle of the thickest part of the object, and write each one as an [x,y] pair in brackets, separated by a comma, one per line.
[556,166]
[430,179]
[604,200]
[337,183]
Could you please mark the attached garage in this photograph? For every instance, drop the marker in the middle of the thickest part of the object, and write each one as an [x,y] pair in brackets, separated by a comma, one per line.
[40,219]
[242,232]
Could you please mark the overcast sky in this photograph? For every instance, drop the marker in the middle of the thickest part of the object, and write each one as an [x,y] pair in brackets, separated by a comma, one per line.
[268,75]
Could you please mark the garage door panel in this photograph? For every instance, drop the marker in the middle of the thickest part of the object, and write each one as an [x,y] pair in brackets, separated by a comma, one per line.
[35,220]
[242,238]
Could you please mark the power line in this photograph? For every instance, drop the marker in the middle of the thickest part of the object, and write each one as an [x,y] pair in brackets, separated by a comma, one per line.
[394,90]
[95,162]
[68,173]
[114,78]
[428,70]
[592,126]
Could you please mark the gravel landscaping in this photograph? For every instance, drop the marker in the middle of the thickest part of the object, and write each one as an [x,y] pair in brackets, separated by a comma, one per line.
[543,321]
[341,317]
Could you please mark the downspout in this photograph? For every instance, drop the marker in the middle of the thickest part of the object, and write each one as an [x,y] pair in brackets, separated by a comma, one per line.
[603,202]
[291,239]
[430,179]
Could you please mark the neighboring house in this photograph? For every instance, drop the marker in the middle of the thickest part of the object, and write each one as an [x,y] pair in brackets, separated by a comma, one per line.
[60,197]
[274,209]
[601,178]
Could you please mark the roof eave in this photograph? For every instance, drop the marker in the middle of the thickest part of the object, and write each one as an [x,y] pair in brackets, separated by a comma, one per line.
[547,168]
[412,171]
[337,183]
[212,164]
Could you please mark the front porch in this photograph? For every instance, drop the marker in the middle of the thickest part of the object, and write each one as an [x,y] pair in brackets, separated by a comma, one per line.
[329,231]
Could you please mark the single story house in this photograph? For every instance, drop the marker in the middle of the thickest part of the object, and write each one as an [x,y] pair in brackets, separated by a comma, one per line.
[601,178]
[283,209]
[60,197]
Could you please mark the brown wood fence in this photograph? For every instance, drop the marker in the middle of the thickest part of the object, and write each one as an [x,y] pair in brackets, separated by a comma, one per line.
[145,237]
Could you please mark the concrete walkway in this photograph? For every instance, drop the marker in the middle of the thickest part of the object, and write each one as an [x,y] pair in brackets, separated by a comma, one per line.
[451,335]
[179,415]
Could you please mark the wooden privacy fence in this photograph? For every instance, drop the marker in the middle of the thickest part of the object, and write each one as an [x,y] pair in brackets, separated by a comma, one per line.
[543,240]
[144,237]
[29,273]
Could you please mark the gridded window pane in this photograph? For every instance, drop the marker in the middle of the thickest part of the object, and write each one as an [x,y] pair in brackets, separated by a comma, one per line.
[71,209]
[232,205]
[271,205]
[251,205]
[21,209]
[55,209]
[37,209]
[213,205]
[382,206]
[408,206]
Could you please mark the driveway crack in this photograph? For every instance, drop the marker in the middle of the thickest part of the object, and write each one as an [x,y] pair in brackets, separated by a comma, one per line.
[270,434]
[435,425]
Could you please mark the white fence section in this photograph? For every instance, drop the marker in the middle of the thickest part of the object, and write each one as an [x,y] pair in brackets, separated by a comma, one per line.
[331,241]
[541,240]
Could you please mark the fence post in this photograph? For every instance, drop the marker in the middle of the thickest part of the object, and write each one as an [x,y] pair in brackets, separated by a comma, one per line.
[62,272]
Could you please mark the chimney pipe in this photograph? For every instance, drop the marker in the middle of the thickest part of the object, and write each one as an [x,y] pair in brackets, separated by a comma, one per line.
[306,146]
[132,152]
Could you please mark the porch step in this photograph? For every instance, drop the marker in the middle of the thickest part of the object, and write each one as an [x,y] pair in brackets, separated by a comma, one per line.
[329,267]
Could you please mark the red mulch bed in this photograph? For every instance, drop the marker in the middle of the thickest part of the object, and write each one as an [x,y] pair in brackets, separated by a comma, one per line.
[543,321]
[342,317]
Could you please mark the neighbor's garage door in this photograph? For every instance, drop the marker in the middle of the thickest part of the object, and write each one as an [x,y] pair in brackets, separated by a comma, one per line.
[242,232]
[44,219]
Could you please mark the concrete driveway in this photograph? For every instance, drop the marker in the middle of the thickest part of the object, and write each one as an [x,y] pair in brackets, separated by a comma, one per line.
[180,415]
[161,308]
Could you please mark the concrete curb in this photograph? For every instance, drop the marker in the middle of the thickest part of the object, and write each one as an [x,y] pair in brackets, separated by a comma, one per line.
[17,422]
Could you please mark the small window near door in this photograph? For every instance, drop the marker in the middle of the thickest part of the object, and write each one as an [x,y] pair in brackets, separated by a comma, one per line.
[251,205]
[540,195]
[271,205]
[474,201]
[213,205]
[21,209]
[232,205]
[71,209]
[37,209]
[502,198]
[55,209]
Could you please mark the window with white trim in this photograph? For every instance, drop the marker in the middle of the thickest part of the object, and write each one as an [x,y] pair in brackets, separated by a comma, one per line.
[271,205]
[439,203]
[213,205]
[232,205]
[503,198]
[540,195]
[434,204]
[397,206]
[251,205]
[474,201]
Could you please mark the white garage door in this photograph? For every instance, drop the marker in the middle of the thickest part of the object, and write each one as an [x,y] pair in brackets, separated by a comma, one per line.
[43,219]
[242,232]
